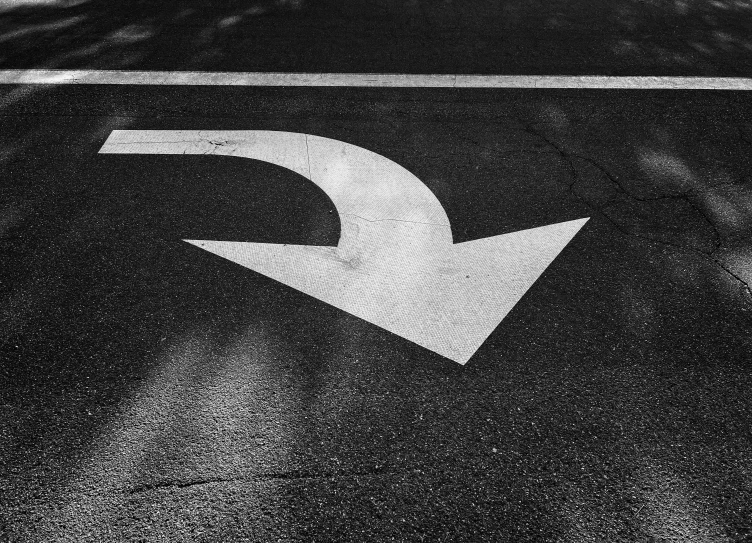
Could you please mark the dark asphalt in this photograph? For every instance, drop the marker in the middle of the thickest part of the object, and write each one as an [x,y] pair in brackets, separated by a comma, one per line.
[150,391]
[560,37]
[155,392]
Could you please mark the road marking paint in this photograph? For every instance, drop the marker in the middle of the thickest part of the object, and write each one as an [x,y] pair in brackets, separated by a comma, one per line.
[395,265]
[270,79]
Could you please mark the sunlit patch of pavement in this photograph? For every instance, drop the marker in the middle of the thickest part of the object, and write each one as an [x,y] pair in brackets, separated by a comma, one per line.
[202,419]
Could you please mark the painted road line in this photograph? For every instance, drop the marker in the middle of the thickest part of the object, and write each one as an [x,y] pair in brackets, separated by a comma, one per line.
[269,79]
[395,264]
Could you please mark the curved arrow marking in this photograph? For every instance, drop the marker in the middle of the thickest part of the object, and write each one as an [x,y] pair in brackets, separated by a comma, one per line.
[395,264]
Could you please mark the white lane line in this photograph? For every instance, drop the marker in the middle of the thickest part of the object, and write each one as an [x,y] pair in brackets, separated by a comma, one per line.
[270,79]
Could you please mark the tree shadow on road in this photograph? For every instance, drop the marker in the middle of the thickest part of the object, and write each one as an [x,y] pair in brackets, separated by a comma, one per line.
[587,37]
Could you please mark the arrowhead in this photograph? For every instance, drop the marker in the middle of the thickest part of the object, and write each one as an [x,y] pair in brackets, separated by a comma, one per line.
[449,304]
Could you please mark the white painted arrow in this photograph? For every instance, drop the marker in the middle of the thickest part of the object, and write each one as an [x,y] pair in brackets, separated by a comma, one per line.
[395,264]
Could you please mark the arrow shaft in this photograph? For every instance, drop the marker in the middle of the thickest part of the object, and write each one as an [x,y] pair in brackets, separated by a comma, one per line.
[385,211]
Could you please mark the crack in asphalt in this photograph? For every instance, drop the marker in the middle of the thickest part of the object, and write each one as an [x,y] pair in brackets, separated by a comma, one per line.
[569,160]
[684,196]
[394,220]
[292,475]
[308,157]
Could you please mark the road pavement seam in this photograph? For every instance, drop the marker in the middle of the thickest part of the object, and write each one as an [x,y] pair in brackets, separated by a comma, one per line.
[575,176]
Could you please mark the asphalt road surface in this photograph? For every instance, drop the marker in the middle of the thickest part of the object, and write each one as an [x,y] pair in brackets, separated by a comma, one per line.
[587,37]
[153,391]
